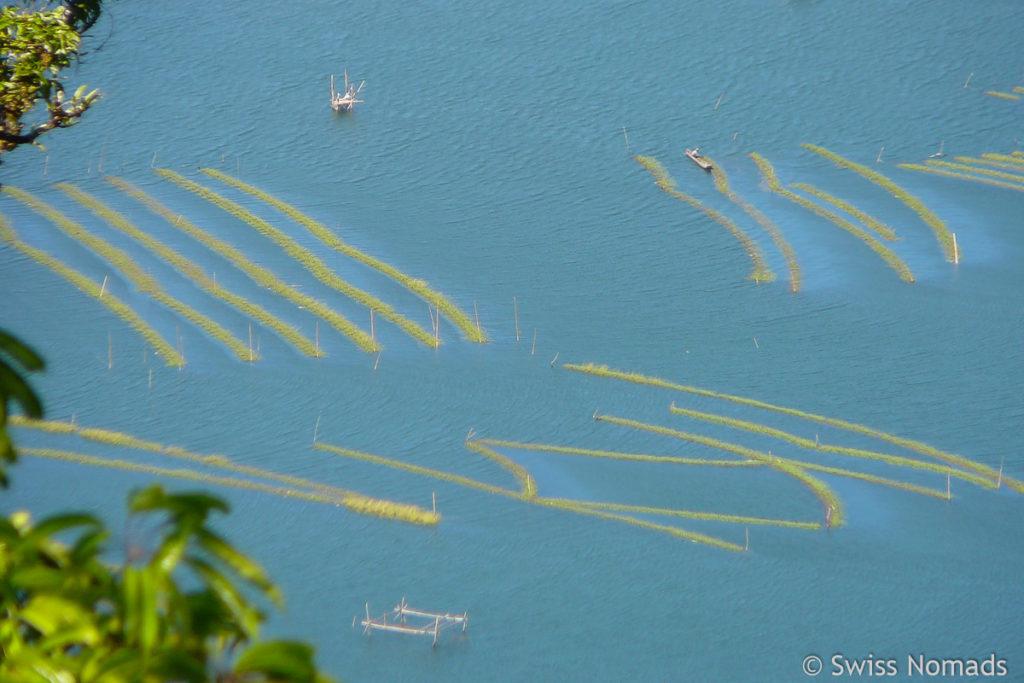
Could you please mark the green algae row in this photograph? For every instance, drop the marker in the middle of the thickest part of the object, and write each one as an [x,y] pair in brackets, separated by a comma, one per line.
[1006,165]
[132,271]
[317,492]
[526,482]
[722,184]
[188,268]
[1002,95]
[830,501]
[415,469]
[418,287]
[942,233]
[1015,177]
[1012,158]
[910,444]
[254,271]
[580,508]
[615,455]
[883,251]
[572,506]
[94,289]
[802,442]
[761,272]
[868,220]
[311,262]
[706,516]
[963,176]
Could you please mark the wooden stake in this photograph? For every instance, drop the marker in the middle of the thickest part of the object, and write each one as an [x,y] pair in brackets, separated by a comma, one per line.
[376,362]
[110,351]
[515,308]
[756,346]
[250,342]
[746,547]
[534,347]
[719,100]
[948,497]
[476,313]
[968,79]
[373,333]
[956,251]
[554,359]
[152,163]
[316,428]
[626,135]
[103,287]
[878,159]
[999,481]
[433,502]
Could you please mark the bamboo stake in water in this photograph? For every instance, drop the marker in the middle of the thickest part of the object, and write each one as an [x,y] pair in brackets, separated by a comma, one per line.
[376,362]
[968,79]
[554,359]
[999,480]
[110,351]
[373,333]
[626,135]
[533,348]
[956,251]
[250,342]
[317,334]
[151,378]
[477,315]
[948,497]
[719,100]
[316,428]
[103,287]
[46,166]
[746,546]
[878,159]
[515,308]
[433,502]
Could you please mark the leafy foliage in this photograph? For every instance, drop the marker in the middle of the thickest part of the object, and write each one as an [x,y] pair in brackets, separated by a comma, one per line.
[15,358]
[176,611]
[35,46]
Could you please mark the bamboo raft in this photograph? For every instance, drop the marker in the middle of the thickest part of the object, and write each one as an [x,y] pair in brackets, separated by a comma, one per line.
[435,622]
[348,101]
[696,157]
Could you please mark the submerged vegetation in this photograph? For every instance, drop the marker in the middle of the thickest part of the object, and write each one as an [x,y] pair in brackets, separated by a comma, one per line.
[802,442]
[418,287]
[833,505]
[943,171]
[887,254]
[256,272]
[94,289]
[761,272]
[909,444]
[868,220]
[942,233]
[132,271]
[312,263]
[722,184]
[195,273]
[285,485]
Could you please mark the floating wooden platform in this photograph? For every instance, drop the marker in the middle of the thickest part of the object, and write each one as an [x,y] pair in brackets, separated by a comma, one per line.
[347,101]
[695,156]
[430,624]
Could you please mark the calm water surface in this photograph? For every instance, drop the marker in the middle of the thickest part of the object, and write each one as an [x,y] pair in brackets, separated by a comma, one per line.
[492,157]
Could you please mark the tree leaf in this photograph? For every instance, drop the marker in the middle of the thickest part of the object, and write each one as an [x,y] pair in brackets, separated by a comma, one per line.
[280,660]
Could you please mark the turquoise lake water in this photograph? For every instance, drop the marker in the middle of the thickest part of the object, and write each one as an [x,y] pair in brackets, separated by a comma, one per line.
[493,158]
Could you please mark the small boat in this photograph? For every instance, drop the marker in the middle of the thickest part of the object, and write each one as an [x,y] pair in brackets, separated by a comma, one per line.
[695,156]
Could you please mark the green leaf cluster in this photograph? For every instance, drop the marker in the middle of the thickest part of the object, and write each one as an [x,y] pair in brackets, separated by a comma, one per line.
[185,608]
[35,46]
